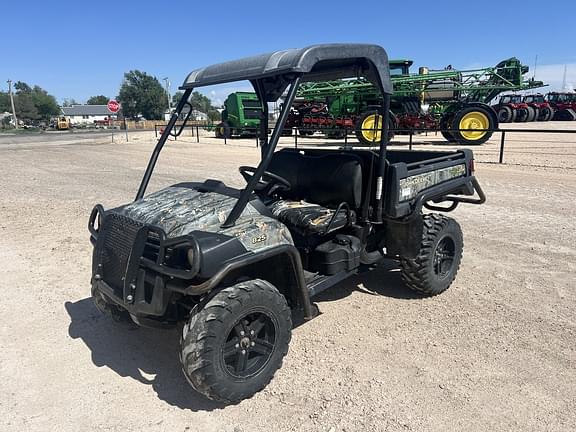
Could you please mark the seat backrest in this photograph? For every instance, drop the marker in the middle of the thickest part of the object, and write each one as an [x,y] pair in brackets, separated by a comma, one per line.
[326,179]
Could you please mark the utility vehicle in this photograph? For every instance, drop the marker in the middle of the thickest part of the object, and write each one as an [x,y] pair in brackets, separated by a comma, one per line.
[236,265]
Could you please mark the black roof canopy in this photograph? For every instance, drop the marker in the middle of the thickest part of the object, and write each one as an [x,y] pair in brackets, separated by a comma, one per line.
[317,63]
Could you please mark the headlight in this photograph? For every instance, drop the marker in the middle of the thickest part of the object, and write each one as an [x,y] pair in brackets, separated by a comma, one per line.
[413,185]
[190,255]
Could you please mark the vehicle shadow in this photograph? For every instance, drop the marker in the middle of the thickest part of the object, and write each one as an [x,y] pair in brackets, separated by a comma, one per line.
[149,356]
[382,280]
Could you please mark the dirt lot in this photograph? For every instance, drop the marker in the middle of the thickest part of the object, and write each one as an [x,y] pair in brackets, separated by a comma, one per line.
[494,353]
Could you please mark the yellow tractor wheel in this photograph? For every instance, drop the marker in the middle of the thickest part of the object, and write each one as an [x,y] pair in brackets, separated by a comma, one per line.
[474,124]
[369,127]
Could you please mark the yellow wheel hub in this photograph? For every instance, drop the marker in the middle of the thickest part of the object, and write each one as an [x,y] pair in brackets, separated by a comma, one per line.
[368,126]
[474,120]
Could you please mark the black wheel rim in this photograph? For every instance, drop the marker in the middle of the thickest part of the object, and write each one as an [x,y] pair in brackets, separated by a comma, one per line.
[249,345]
[444,257]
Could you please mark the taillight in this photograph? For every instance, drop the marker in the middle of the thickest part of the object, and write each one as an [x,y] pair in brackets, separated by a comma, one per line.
[471,166]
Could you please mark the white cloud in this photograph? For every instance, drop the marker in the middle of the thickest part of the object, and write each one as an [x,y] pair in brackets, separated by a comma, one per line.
[219,93]
[553,74]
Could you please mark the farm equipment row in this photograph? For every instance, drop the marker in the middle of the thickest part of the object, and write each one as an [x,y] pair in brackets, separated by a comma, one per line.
[537,107]
[456,102]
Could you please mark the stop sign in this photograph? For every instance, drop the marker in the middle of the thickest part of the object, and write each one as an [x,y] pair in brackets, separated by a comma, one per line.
[113,106]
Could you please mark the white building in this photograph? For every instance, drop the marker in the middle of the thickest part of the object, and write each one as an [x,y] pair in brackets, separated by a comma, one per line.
[199,115]
[86,114]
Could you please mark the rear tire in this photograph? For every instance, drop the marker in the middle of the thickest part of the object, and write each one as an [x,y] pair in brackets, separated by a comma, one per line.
[505,114]
[473,117]
[532,114]
[305,133]
[223,130]
[446,123]
[231,348]
[546,114]
[435,267]
[521,115]
[335,134]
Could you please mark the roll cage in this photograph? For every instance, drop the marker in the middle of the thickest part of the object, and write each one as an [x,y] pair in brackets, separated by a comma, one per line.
[272,75]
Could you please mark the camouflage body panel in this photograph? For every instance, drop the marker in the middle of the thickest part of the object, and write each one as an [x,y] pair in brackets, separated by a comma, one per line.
[308,217]
[181,210]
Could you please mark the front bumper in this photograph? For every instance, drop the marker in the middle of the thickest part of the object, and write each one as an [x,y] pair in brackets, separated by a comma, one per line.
[133,262]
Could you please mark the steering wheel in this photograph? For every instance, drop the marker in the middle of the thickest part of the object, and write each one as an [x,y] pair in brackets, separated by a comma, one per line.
[268,183]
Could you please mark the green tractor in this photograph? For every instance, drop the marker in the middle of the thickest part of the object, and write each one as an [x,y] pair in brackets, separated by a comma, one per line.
[241,115]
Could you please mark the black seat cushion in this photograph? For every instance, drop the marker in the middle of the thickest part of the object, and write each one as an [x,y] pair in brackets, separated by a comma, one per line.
[308,218]
[327,179]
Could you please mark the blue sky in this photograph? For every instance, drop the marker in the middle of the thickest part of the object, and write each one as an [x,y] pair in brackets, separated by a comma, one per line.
[79,49]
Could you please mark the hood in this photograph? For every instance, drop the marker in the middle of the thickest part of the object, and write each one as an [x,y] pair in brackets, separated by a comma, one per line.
[182,210]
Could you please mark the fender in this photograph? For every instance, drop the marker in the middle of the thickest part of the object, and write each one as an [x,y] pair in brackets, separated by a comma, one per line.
[288,251]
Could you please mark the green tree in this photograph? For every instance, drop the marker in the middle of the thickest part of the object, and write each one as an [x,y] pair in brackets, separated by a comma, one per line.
[34,103]
[214,115]
[176,98]
[200,102]
[97,100]
[142,94]
[26,111]
[22,87]
[5,102]
[68,102]
[45,103]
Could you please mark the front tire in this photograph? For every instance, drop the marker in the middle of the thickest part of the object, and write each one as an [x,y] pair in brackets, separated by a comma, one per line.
[232,347]
[434,269]
[368,128]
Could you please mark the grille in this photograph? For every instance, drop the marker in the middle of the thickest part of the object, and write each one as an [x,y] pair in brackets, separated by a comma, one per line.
[250,113]
[119,236]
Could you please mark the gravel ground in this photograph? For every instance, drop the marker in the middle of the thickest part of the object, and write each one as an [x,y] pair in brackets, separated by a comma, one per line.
[494,353]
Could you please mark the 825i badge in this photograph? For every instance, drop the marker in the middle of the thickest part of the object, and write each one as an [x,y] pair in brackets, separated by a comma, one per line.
[259,239]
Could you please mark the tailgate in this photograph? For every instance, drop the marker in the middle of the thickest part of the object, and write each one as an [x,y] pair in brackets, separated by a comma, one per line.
[435,179]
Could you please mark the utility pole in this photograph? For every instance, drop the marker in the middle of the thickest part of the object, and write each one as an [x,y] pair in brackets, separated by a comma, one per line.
[165,79]
[12,102]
